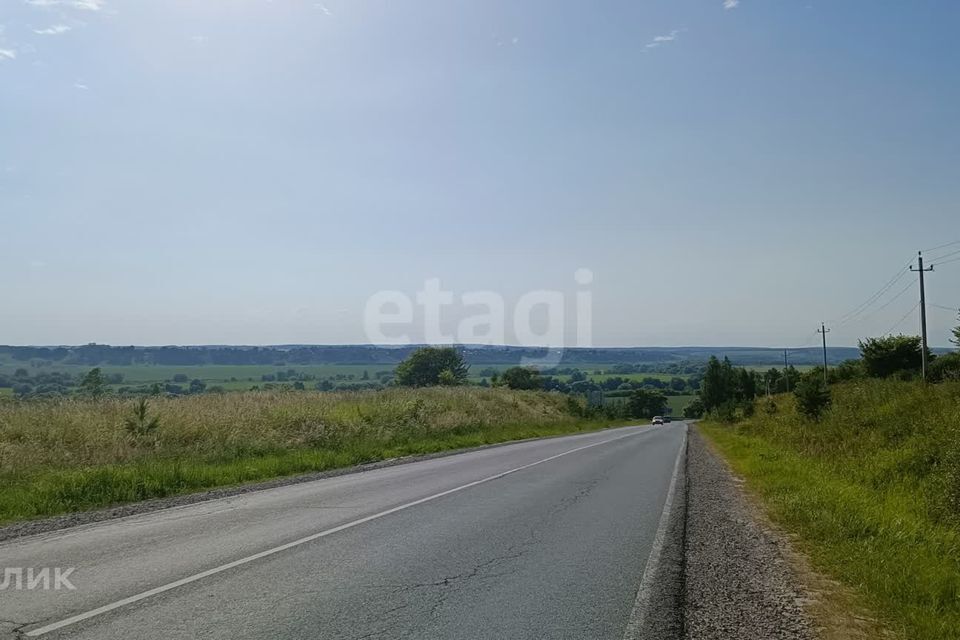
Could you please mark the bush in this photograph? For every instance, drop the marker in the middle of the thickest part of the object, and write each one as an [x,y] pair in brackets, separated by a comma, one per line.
[813,397]
[522,378]
[425,367]
[945,367]
[694,410]
[883,357]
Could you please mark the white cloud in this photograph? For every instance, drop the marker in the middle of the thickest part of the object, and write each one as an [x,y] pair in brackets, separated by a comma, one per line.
[323,7]
[7,54]
[54,30]
[199,39]
[84,5]
[659,40]
[731,4]
[80,85]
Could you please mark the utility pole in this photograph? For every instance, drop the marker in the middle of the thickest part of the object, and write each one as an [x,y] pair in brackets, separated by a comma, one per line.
[824,331]
[786,373]
[923,315]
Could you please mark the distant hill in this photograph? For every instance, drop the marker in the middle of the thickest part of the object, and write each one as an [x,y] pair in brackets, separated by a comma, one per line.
[95,355]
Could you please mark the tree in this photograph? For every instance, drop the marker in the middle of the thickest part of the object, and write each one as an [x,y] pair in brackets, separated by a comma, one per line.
[646,403]
[197,386]
[717,385]
[890,355]
[140,423]
[522,378]
[694,409]
[424,367]
[813,397]
[93,384]
[956,333]
[180,378]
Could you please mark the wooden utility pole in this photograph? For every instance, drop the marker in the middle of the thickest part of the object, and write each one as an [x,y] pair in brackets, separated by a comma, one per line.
[824,331]
[923,315]
[786,373]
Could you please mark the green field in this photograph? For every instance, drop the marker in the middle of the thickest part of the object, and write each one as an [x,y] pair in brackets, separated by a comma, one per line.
[243,377]
[678,403]
[230,377]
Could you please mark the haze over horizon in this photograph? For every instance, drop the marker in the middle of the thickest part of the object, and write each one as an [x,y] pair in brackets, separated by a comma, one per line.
[252,172]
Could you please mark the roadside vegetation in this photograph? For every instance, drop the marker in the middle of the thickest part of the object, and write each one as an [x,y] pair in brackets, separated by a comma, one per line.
[67,454]
[866,474]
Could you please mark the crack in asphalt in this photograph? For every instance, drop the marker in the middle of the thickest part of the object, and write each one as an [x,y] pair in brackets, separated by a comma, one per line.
[443,588]
[17,631]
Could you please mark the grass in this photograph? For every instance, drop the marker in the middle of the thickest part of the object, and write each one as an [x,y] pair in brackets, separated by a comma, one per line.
[871,492]
[59,456]
[678,403]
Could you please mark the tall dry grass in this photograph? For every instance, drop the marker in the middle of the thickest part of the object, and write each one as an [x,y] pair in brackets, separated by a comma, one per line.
[68,454]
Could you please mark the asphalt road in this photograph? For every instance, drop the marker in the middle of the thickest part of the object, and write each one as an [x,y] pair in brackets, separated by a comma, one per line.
[539,539]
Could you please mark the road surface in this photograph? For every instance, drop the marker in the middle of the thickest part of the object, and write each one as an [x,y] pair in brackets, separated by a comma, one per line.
[538,539]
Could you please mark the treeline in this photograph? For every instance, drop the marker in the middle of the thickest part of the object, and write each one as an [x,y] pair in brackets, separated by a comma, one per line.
[446,366]
[728,392]
[666,359]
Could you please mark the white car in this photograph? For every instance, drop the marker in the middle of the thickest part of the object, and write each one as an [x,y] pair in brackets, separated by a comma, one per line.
[657,420]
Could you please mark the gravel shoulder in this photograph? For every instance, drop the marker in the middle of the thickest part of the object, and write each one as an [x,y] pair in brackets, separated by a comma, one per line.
[739,580]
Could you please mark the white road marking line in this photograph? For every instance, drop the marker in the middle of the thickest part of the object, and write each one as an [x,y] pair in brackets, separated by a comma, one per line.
[322,534]
[642,603]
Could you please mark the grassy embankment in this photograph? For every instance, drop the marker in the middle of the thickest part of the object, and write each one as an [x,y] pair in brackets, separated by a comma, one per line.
[67,455]
[872,492]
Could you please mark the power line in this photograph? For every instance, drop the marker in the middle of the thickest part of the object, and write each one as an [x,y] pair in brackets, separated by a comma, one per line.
[904,270]
[900,321]
[888,302]
[943,246]
[808,342]
[940,306]
[947,261]
[946,255]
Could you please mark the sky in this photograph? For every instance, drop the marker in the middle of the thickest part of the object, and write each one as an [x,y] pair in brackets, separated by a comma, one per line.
[255,172]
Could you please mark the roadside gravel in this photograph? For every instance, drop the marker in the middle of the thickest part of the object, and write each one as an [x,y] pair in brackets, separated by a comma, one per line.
[738,582]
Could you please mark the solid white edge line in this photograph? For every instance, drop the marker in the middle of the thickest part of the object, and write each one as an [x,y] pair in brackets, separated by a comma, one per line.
[645,591]
[322,534]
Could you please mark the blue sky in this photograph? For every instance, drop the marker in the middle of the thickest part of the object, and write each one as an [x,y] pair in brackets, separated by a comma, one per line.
[246,171]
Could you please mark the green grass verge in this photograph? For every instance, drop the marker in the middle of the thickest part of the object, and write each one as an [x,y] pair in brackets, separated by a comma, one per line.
[868,494]
[71,455]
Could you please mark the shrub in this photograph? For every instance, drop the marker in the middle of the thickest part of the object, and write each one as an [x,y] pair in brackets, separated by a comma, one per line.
[945,367]
[694,410]
[523,378]
[813,397]
[890,355]
[424,367]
